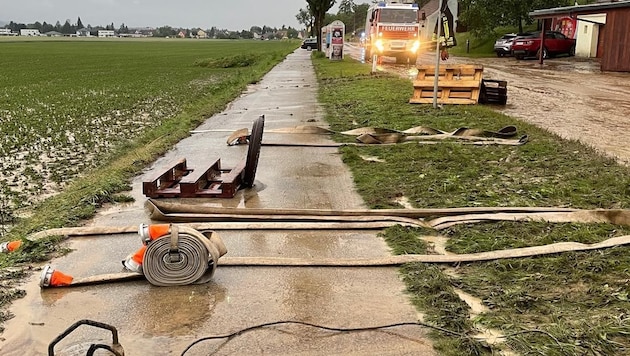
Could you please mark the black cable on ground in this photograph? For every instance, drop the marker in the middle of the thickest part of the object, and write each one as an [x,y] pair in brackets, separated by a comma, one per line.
[260,326]
[378,327]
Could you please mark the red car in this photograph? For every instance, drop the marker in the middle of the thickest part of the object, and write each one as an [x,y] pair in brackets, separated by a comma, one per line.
[556,43]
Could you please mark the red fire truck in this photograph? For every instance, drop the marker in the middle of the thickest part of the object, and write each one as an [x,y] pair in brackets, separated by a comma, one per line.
[392,29]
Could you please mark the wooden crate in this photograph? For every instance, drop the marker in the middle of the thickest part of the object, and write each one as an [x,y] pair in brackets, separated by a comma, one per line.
[457,84]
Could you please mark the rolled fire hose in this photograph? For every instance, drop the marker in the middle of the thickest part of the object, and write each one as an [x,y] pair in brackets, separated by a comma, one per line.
[185,257]
[173,256]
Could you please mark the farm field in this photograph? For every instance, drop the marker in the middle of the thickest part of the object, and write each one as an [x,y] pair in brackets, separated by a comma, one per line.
[68,106]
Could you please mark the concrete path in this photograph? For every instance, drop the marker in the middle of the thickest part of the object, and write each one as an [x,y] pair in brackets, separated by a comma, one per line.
[164,321]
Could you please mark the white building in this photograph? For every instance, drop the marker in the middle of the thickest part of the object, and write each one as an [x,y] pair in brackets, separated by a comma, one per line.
[83,32]
[29,32]
[588,27]
[6,32]
[106,33]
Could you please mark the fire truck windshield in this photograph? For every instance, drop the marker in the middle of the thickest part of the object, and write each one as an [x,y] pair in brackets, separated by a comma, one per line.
[398,15]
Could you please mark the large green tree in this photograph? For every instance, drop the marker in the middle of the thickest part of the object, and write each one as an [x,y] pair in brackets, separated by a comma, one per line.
[306,18]
[481,17]
[318,9]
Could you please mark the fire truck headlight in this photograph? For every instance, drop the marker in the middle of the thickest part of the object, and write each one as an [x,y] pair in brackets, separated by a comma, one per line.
[379,45]
[415,46]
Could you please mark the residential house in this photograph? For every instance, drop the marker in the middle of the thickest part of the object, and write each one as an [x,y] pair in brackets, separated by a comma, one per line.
[84,32]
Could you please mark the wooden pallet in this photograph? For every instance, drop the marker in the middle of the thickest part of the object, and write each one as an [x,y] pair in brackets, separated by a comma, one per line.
[211,181]
[457,84]
[176,180]
[493,92]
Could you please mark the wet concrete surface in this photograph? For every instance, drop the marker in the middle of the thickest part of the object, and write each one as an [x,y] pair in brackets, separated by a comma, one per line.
[164,321]
[569,96]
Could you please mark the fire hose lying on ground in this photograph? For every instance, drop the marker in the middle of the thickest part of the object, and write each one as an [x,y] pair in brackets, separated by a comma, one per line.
[385,136]
[189,252]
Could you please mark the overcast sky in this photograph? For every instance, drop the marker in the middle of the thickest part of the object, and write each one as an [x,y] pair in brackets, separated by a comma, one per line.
[226,14]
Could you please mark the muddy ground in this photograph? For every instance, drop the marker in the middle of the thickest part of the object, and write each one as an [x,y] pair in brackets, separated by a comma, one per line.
[568,96]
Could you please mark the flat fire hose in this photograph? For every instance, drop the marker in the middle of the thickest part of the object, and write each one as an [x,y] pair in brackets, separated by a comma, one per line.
[255,219]
[384,136]
[388,261]
[559,247]
[164,210]
[409,217]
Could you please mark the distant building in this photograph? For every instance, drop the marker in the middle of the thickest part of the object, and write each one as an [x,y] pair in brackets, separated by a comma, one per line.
[84,32]
[143,31]
[53,34]
[6,32]
[202,34]
[29,32]
[106,33]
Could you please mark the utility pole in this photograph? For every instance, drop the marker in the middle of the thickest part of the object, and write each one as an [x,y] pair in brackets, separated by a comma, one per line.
[437,56]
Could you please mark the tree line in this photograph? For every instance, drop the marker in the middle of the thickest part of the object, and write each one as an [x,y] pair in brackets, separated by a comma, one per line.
[69,28]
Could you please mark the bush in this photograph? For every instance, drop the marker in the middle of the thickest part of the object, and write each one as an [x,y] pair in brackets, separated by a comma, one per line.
[236,61]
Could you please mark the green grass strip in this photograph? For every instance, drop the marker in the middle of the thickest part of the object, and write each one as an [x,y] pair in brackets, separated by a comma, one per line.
[577,302]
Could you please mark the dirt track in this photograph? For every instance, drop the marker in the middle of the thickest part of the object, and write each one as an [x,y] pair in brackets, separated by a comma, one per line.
[570,97]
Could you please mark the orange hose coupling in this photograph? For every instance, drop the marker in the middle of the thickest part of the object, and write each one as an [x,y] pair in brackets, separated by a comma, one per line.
[10,246]
[52,278]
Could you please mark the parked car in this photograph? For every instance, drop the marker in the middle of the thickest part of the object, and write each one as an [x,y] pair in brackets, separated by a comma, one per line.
[309,43]
[556,43]
[503,46]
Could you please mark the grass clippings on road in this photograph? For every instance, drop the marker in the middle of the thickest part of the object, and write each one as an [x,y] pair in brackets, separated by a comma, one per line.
[565,304]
